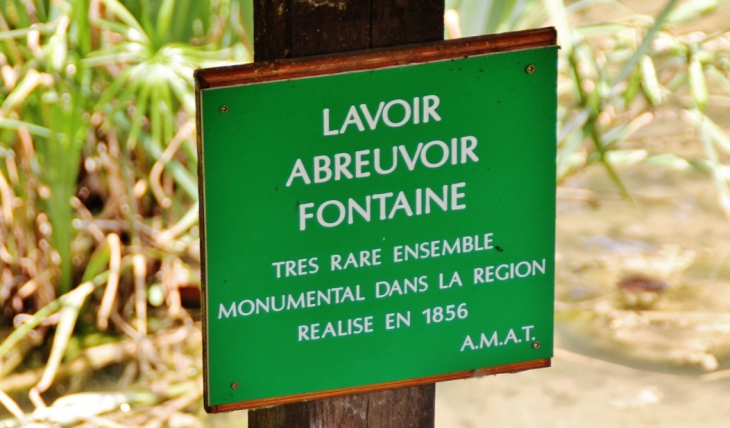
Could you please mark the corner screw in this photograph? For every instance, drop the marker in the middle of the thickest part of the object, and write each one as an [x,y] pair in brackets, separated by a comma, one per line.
[234,385]
[536,345]
[224,109]
[530,69]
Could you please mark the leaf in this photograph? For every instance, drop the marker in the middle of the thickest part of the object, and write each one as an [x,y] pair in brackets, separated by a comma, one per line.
[164,18]
[649,82]
[691,10]
[646,43]
[633,87]
[697,83]
[22,90]
[34,129]
[97,263]
[721,184]
[559,15]
[23,32]
[498,14]
[125,16]
[699,119]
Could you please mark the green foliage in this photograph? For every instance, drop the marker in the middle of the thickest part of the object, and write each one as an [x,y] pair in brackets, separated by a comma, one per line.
[661,64]
[98,162]
[74,71]
[497,16]
[618,77]
[98,181]
[51,95]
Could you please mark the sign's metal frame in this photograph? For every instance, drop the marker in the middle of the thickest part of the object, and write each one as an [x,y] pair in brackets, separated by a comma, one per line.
[338,63]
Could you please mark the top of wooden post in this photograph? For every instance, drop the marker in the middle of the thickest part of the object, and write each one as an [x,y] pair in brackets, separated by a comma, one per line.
[298,28]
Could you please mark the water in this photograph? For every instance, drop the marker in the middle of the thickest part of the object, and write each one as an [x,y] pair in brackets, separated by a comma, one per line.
[615,365]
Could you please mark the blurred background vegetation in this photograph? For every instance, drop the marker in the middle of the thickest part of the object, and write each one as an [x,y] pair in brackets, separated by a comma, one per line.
[99,246]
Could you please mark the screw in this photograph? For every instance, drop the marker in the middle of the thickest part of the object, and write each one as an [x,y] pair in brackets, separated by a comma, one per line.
[535,345]
[234,385]
[530,69]
[224,109]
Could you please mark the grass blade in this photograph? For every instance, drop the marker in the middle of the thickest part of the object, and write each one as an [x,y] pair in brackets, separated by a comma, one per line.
[646,43]
[649,81]
[697,83]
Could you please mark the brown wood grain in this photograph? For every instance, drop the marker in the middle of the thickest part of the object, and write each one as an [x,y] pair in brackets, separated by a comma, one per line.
[400,22]
[298,28]
[391,408]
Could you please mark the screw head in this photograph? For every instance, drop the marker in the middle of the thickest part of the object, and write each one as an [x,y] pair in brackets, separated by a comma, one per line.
[234,385]
[224,109]
[535,345]
[530,69]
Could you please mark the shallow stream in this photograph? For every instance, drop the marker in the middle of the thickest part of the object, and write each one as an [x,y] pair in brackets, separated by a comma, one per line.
[642,306]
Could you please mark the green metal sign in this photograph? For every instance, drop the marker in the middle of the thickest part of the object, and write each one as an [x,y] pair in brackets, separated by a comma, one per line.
[377,226]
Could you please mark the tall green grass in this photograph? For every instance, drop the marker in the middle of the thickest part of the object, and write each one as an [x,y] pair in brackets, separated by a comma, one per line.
[618,77]
[98,179]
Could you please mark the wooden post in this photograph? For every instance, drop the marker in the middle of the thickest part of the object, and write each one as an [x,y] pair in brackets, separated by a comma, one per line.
[297,28]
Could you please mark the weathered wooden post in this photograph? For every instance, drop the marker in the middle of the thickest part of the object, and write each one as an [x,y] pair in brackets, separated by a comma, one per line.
[376,221]
[298,28]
